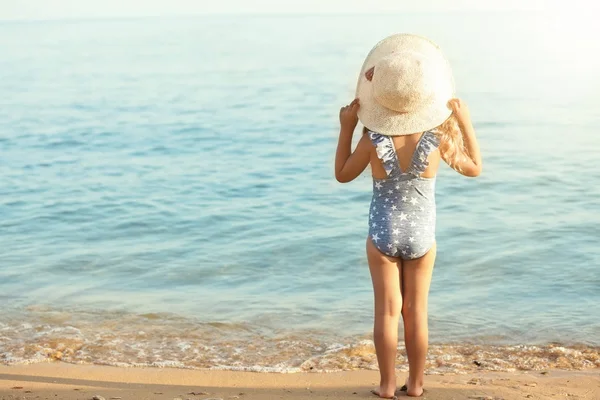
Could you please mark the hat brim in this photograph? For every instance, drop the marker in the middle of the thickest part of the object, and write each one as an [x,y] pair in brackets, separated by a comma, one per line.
[393,123]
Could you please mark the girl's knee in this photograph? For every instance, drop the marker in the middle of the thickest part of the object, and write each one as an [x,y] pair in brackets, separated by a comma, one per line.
[391,313]
[389,308]
[393,308]
[412,311]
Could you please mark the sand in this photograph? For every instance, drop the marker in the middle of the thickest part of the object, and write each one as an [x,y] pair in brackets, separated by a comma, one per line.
[68,381]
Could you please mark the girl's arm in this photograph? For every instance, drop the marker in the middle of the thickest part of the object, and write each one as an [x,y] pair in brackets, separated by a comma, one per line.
[471,163]
[349,165]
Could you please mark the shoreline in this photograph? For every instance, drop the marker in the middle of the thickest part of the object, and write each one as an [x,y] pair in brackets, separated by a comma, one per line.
[297,356]
[58,380]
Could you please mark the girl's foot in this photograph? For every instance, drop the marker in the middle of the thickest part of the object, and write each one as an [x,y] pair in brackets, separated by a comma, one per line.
[384,394]
[416,392]
[412,393]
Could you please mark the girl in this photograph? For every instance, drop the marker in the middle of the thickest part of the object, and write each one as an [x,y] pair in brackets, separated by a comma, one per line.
[405,100]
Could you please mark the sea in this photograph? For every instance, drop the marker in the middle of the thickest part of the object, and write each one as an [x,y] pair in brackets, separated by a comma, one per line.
[168,197]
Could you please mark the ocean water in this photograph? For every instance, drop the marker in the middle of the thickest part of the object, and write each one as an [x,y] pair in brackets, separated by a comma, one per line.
[168,196]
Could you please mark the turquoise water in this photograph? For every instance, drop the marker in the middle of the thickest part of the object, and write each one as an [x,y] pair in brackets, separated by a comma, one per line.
[175,176]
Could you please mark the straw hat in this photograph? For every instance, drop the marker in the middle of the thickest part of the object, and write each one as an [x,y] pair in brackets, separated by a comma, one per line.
[410,89]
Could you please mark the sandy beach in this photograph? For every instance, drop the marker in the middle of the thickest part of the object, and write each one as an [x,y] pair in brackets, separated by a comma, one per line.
[173,230]
[66,381]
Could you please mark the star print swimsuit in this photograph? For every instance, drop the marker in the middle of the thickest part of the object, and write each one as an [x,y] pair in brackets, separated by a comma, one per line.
[402,214]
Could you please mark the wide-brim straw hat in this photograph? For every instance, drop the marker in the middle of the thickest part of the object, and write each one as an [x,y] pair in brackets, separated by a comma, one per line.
[410,89]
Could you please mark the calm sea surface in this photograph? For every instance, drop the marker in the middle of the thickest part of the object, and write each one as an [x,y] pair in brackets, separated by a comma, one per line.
[168,196]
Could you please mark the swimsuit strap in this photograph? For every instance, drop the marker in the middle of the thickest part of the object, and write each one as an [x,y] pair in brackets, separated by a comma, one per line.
[385,151]
[384,145]
[428,143]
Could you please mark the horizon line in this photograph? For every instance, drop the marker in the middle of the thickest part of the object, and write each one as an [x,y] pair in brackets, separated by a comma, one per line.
[262,14]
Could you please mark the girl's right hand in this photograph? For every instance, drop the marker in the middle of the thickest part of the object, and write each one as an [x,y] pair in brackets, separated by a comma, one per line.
[349,117]
[461,111]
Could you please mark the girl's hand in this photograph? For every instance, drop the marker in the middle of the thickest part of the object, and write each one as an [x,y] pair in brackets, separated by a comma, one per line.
[461,111]
[349,116]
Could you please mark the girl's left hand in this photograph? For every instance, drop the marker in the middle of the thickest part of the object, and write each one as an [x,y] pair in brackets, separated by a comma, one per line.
[349,115]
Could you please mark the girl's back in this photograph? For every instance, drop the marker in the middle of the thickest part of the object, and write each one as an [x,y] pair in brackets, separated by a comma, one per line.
[405,147]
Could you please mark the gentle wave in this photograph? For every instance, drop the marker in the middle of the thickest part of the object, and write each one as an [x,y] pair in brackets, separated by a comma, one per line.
[169,341]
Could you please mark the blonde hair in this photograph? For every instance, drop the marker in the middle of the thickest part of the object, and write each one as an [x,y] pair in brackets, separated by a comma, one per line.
[452,145]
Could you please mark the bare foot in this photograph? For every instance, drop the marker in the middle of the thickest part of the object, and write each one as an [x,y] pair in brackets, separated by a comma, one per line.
[415,392]
[384,394]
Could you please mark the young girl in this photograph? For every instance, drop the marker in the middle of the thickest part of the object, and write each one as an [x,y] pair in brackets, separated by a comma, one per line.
[405,100]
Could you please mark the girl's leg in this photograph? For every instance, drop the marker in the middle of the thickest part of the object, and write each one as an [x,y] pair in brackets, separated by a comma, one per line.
[388,305]
[416,279]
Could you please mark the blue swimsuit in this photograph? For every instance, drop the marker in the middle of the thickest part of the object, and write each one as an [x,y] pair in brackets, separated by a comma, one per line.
[402,214]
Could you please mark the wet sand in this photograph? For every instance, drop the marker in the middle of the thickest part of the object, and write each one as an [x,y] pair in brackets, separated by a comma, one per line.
[59,380]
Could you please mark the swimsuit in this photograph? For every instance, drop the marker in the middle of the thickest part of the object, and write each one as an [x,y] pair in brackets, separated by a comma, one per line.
[402,213]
